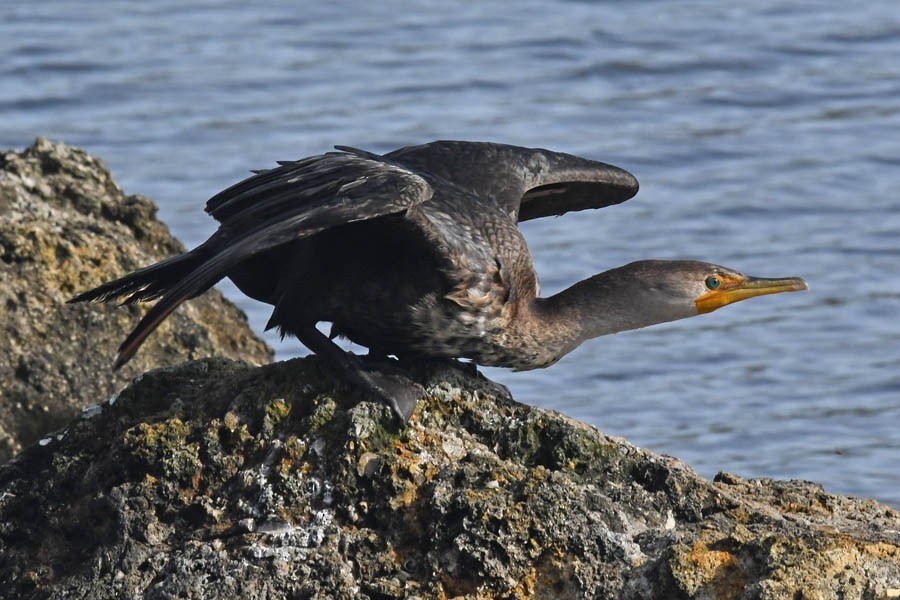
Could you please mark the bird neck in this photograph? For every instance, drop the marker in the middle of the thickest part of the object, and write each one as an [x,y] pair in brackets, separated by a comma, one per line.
[600,305]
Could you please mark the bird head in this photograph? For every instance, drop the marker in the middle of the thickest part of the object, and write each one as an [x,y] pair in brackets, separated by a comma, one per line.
[648,292]
[676,289]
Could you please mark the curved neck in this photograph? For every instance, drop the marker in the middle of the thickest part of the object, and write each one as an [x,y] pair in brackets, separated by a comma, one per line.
[600,305]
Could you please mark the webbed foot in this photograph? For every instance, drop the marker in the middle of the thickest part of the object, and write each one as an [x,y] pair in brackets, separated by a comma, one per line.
[400,392]
[380,376]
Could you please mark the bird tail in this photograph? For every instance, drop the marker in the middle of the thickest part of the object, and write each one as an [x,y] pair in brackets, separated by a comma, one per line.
[144,285]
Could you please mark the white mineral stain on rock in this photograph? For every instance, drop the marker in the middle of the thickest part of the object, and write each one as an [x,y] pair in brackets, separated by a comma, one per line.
[670,520]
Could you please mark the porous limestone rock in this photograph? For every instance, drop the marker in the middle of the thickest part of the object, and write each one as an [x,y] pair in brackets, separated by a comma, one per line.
[220,479]
[65,226]
[217,479]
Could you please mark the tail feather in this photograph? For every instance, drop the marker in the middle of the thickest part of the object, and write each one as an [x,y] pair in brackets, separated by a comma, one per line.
[144,284]
[202,274]
[149,283]
[142,331]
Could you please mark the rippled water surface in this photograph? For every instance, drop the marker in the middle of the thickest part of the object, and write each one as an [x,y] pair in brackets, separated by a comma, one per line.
[766,138]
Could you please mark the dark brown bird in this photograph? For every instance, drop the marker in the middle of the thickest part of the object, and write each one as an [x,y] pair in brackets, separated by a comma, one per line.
[417,253]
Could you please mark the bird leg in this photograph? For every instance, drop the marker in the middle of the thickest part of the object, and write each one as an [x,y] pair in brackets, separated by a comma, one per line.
[391,384]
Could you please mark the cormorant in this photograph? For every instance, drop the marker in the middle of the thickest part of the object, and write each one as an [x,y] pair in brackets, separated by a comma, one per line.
[418,253]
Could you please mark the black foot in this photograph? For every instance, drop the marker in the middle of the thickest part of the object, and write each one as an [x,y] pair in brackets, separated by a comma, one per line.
[400,392]
[381,377]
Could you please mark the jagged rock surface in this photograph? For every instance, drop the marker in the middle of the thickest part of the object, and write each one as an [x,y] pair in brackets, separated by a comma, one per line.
[65,226]
[217,479]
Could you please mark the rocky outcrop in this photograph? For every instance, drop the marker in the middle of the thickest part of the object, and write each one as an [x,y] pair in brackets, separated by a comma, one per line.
[66,226]
[217,479]
[220,479]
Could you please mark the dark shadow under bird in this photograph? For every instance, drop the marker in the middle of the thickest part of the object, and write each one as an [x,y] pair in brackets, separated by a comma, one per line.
[418,253]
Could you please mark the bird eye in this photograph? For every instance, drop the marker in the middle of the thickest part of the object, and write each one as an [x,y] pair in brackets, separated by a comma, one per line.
[712,282]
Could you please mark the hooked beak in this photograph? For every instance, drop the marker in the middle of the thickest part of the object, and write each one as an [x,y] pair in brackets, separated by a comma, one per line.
[735,289]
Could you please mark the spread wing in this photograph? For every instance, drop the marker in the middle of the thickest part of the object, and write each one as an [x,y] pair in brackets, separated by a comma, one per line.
[572,185]
[527,182]
[281,205]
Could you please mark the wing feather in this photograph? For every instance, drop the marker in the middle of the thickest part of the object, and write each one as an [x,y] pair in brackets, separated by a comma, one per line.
[291,202]
[527,183]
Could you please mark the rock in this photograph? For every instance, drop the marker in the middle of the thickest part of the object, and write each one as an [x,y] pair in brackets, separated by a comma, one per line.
[220,479]
[217,479]
[65,226]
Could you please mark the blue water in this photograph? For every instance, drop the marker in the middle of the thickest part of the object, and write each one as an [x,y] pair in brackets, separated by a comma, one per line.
[766,137]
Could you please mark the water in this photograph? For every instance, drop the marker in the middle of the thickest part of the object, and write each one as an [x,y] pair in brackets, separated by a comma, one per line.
[766,138]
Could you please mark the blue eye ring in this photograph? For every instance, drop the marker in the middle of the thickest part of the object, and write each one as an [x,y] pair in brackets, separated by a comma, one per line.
[712,282]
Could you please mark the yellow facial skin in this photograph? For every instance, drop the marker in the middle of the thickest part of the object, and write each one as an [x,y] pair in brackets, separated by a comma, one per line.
[736,288]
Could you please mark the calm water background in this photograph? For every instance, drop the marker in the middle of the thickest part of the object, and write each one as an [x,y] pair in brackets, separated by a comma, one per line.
[766,137]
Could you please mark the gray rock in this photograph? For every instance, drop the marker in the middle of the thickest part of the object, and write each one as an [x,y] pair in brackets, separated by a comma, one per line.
[216,479]
[66,226]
